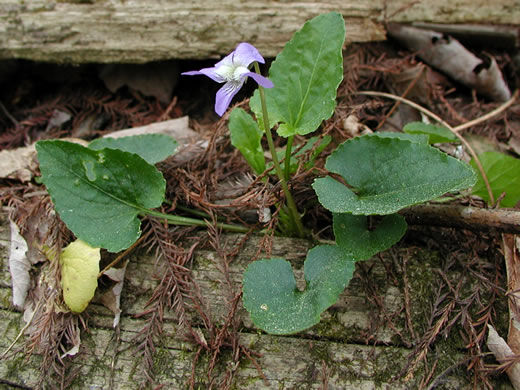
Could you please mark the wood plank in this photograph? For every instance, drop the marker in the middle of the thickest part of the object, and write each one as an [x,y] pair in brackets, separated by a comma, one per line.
[355,342]
[139,31]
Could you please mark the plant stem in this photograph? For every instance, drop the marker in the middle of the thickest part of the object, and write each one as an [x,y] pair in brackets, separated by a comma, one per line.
[290,202]
[288,150]
[185,221]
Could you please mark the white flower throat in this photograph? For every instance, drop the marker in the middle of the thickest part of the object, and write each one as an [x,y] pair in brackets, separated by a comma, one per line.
[232,73]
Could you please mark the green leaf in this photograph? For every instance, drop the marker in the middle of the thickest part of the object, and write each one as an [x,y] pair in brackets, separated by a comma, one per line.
[99,194]
[352,234]
[151,147]
[436,134]
[306,75]
[388,174]
[79,274]
[419,138]
[503,173]
[247,137]
[275,303]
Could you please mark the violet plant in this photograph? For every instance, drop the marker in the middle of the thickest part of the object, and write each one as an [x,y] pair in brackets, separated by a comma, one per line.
[99,191]
[233,70]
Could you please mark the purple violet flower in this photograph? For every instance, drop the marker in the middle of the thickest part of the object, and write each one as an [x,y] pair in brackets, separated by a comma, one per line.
[233,70]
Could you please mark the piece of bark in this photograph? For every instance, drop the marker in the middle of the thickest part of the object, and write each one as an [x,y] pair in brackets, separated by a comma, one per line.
[452,58]
[465,217]
[137,31]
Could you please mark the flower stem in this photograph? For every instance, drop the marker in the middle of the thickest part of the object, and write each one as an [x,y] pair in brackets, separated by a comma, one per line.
[290,202]
[288,150]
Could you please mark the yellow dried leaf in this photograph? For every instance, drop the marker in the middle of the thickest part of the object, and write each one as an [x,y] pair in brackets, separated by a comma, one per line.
[79,271]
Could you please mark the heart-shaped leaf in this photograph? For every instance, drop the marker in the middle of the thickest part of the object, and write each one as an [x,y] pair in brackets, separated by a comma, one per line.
[275,303]
[306,75]
[503,173]
[388,174]
[247,137]
[352,234]
[99,194]
[151,147]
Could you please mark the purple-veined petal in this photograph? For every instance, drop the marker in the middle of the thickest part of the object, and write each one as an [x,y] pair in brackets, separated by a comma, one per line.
[224,96]
[261,80]
[210,72]
[245,54]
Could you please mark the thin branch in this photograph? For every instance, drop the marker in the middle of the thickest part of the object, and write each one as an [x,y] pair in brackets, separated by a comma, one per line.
[409,102]
[8,114]
[490,114]
[465,217]
[124,254]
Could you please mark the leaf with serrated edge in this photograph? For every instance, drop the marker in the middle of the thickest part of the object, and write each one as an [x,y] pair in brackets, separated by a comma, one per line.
[306,75]
[99,194]
[388,174]
[247,138]
[353,235]
[151,147]
[273,300]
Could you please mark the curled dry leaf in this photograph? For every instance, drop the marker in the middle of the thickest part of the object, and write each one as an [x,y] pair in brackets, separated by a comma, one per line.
[451,57]
[58,118]
[112,298]
[18,163]
[76,343]
[19,266]
[503,353]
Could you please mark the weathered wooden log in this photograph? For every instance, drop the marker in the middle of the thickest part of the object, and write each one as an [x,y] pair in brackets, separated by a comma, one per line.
[361,342]
[138,31]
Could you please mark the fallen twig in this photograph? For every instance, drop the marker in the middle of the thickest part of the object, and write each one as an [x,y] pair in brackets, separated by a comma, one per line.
[466,217]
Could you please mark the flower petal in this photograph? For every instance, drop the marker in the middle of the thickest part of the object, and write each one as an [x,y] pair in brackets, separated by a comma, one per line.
[224,96]
[245,54]
[227,60]
[261,80]
[210,72]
